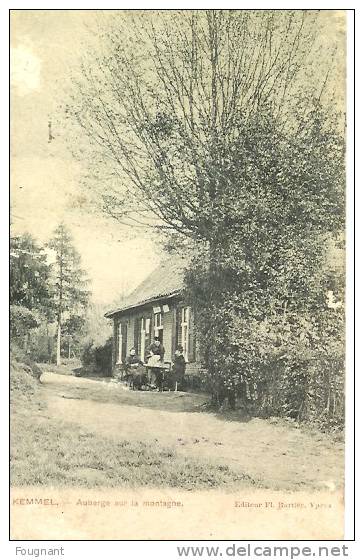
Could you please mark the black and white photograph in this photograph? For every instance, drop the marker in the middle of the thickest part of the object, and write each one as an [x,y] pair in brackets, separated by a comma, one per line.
[177,274]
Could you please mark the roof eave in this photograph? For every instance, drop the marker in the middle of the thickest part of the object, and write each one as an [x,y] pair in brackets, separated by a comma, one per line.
[110,314]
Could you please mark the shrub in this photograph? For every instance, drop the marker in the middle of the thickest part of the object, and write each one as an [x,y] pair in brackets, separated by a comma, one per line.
[24,373]
[21,381]
[88,355]
[103,357]
[278,356]
[98,358]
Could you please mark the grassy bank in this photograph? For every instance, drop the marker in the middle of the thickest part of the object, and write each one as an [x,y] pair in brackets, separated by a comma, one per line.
[46,452]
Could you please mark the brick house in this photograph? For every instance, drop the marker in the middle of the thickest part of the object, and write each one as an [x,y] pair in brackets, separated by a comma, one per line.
[156,308]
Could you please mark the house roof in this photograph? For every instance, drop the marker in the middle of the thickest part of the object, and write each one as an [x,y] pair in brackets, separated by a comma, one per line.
[165,281]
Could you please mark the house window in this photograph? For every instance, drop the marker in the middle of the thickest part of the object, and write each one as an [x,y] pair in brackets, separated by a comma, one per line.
[158,325]
[185,330]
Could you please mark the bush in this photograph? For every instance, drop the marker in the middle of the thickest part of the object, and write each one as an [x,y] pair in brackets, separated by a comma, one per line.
[21,381]
[103,357]
[278,357]
[24,373]
[98,358]
[18,355]
[88,355]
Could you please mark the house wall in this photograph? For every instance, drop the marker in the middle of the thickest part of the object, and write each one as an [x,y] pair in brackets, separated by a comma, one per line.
[171,331]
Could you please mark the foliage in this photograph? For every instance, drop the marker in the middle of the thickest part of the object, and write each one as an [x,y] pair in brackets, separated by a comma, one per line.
[23,371]
[103,357]
[96,327]
[31,296]
[98,358]
[73,333]
[41,292]
[30,284]
[42,348]
[159,108]
[22,320]
[220,127]
[260,295]
[70,278]
[21,381]
[88,355]
[70,282]
[277,356]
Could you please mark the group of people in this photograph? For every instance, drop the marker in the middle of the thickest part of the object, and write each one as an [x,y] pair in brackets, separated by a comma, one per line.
[155,373]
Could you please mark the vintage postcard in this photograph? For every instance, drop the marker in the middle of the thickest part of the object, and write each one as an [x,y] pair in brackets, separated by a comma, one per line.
[177,282]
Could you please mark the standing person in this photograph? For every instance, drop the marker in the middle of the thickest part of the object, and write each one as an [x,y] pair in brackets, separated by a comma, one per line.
[157,348]
[155,361]
[178,368]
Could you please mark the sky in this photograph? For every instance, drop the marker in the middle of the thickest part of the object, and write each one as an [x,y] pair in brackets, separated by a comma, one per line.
[45,180]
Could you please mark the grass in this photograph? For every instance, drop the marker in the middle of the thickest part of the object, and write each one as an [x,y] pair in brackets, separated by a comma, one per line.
[67,367]
[43,453]
[62,454]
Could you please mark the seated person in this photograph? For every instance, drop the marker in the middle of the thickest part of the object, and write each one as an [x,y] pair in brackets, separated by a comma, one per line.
[133,359]
[178,368]
[132,364]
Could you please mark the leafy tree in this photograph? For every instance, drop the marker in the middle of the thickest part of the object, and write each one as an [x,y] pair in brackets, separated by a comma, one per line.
[96,328]
[221,128]
[73,328]
[71,292]
[31,293]
[22,320]
[162,103]
[30,285]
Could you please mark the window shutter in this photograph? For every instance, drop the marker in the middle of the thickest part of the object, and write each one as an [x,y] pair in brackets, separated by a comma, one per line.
[191,338]
[123,346]
[137,336]
[114,346]
[179,326]
[174,329]
[151,330]
[147,332]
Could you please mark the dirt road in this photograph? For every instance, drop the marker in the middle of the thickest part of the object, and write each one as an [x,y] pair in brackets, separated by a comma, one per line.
[276,454]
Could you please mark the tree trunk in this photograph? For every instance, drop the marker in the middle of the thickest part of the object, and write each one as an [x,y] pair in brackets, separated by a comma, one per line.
[49,346]
[58,361]
[69,349]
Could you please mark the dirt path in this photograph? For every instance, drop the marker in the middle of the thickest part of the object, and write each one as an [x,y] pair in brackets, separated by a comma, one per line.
[278,455]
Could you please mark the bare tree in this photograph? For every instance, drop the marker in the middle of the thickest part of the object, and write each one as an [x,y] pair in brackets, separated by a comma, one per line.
[163,99]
